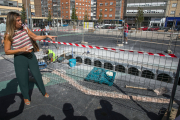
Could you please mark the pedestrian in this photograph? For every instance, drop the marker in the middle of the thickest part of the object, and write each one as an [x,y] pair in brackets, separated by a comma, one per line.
[51,55]
[25,23]
[126,26]
[22,41]
[46,32]
[42,26]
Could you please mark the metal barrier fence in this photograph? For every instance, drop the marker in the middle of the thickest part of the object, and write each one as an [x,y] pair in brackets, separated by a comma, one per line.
[94,61]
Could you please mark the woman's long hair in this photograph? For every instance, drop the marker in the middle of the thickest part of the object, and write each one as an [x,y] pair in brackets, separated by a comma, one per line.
[11,24]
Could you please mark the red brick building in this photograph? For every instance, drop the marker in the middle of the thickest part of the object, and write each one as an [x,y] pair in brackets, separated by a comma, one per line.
[81,7]
[107,8]
[65,9]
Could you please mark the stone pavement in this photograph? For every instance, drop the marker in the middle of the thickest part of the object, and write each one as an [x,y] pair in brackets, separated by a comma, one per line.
[65,102]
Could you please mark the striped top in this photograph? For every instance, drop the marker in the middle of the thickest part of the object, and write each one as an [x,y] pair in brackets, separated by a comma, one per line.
[21,39]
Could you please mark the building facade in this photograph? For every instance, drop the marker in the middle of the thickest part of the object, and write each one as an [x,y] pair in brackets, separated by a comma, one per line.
[153,11]
[93,9]
[9,5]
[173,13]
[111,10]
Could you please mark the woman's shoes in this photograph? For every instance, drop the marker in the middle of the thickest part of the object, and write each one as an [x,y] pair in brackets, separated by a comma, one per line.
[26,101]
[46,95]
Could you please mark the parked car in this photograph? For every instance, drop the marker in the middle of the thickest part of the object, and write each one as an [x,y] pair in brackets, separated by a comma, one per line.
[100,26]
[145,28]
[153,29]
[112,27]
[120,27]
[105,27]
[165,29]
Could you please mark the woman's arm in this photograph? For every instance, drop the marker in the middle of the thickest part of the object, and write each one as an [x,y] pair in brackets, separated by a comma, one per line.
[7,47]
[35,37]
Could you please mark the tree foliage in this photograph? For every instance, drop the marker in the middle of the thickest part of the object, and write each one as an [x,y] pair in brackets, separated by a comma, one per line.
[139,16]
[74,16]
[86,17]
[100,17]
[49,17]
[23,14]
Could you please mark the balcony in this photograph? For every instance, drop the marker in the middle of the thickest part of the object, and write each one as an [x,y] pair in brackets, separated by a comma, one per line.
[158,5]
[146,14]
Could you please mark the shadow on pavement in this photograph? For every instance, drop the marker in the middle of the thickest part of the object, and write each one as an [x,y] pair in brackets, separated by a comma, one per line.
[7,101]
[68,111]
[106,113]
[44,117]
[151,115]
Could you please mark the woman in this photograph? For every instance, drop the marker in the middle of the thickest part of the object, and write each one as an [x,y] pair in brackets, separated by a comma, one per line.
[24,58]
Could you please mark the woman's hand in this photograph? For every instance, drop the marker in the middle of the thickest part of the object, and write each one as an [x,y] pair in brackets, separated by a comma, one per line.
[52,37]
[25,49]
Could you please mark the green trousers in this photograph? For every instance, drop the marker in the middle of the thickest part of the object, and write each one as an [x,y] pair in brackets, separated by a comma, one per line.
[21,63]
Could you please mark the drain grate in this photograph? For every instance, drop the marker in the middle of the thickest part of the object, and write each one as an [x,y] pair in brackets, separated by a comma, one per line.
[87,61]
[133,71]
[108,66]
[164,77]
[147,74]
[79,59]
[120,68]
[97,63]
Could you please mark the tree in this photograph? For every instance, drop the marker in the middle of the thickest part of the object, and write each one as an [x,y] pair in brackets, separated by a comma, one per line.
[100,17]
[86,17]
[74,16]
[23,14]
[139,16]
[49,17]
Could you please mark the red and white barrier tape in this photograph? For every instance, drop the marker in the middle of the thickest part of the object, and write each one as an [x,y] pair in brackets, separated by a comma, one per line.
[113,49]
[41,29]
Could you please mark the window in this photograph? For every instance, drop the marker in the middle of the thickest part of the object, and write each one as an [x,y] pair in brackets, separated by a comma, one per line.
[76,7]
[62,11]
[79,12]
[62,2]
[100,4]
[80,8]
[174,4]
[66,11]
[76,3]
[105,9]
[66,7]
[67,16]
[89,10]
[106,4]
[110,9]
[66,2]
[76,12]
[105,15]
[83,8]
[86,5]
[79,16]
[79,3]
[63,16]
[111,3]
[100,9]
[83,12]
[110,15]
[172,12]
